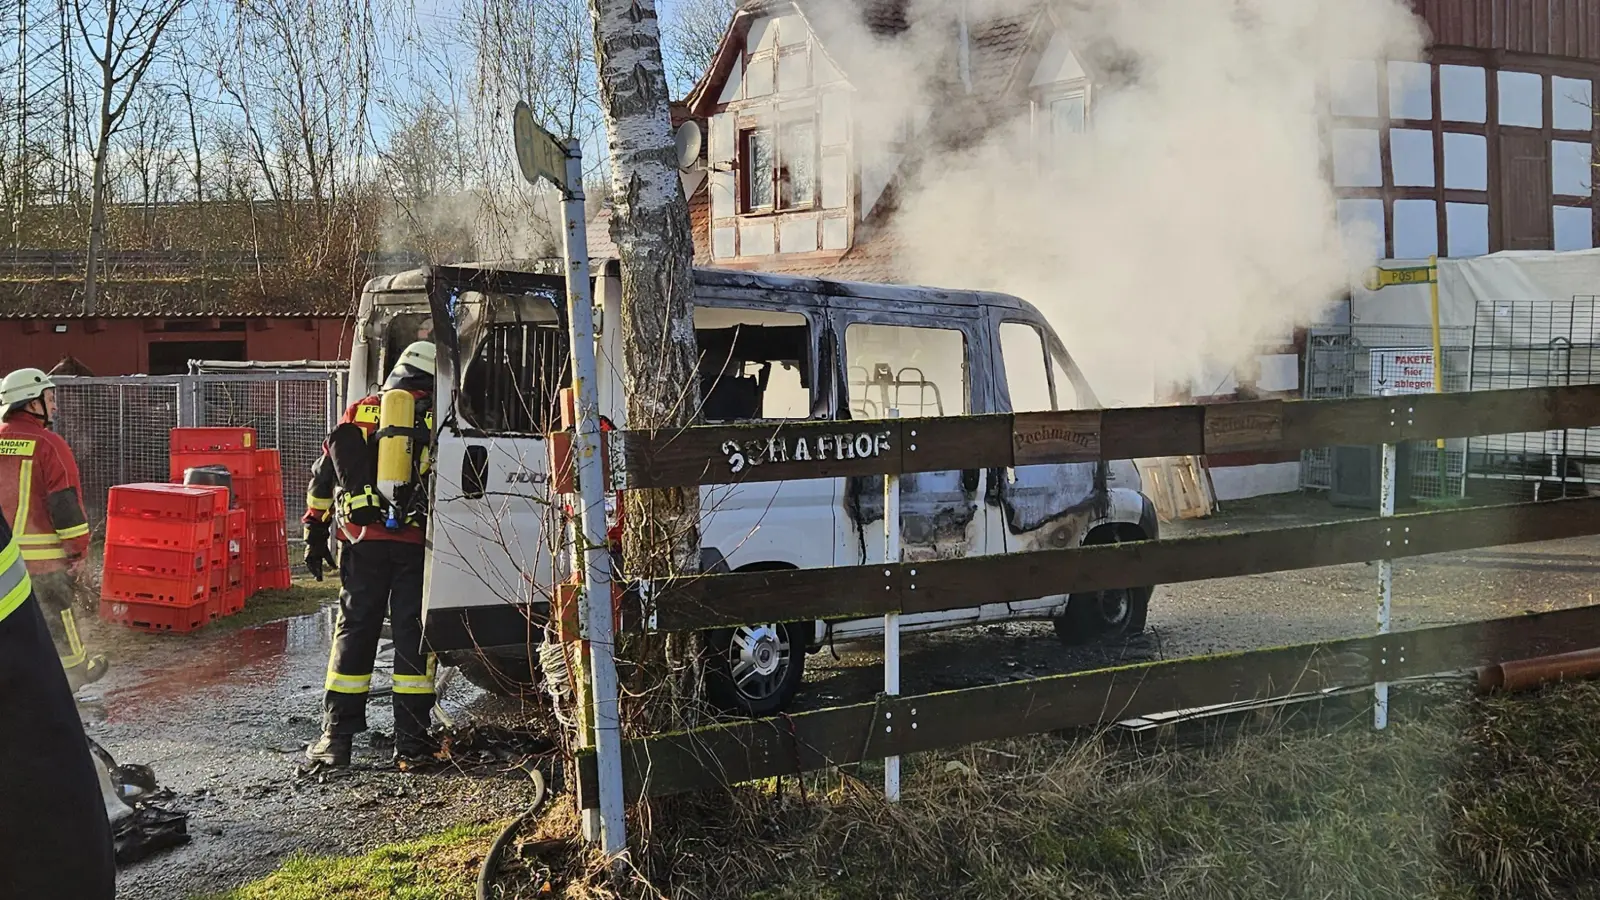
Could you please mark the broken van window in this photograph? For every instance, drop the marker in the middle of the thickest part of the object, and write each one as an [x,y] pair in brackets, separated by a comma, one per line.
[754,364]
[919,371]
[1027,379]
[512,383]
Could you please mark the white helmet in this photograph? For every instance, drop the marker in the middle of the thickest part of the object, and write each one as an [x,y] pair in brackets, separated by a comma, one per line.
[420,356]
[22,386]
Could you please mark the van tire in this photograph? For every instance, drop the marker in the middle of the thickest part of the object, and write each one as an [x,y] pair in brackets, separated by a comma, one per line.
[1105,615]
[513,672]
[763,694]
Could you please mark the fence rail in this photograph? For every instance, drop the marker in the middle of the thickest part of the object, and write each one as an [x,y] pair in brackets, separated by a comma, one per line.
[731,454]
[892,726]
[721,755]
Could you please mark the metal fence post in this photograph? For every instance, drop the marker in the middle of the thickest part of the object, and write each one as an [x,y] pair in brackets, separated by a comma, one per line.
[891,622]
[1386,490]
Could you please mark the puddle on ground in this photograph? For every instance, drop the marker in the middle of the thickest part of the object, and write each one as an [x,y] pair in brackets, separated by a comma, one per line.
[275,661]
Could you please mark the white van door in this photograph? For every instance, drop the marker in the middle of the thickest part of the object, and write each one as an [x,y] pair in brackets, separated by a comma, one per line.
[494,536]
[921,365]
[760,364]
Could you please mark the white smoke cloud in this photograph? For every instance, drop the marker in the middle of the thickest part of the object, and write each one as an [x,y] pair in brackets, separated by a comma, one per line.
[1192,222]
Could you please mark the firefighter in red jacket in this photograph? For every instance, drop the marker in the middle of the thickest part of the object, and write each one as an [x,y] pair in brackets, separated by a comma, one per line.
[370,484]
[40,493]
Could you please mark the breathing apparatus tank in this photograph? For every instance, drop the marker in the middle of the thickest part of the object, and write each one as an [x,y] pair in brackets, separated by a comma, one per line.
[396,420]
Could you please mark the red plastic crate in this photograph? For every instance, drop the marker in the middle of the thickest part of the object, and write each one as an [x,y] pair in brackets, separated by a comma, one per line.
[155,616]
[270,556]
[241,465]
[269,532]
[175,590]
[231,601]
[267,509]
[169,534]
[274,579]
[269,462]
[157,562]
[238,524]
[203,440]
[163,501]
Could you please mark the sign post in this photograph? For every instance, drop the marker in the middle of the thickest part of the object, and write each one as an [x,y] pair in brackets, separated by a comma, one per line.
[541,157]
[891,622]
[1376,279]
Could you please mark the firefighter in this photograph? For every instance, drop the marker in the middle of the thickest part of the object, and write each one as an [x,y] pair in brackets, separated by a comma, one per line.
[369,484]
[41,494]
[57,839]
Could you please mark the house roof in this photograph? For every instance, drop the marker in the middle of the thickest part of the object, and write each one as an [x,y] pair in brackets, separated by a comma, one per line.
[171,298]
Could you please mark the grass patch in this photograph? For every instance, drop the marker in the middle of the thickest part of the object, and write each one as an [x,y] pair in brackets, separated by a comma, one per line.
[1475,799]
[1491,798]
[438,867]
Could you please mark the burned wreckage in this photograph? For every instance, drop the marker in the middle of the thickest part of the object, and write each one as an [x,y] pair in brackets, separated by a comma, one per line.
[772,348]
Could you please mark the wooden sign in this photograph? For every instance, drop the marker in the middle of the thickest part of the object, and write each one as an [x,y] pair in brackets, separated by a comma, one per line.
[764,452]
[1243,426]
[1046,437]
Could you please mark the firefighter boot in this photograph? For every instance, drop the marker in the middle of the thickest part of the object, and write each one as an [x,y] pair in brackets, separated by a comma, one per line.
[330,750]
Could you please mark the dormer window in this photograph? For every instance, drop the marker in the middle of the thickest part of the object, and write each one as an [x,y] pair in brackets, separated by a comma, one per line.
[778,167]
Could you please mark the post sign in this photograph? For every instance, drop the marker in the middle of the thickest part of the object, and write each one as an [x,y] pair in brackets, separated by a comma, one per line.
[539,155]
[1402,370]
[1375,278]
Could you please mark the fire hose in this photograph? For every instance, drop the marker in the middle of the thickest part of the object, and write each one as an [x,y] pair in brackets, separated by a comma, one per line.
[490,870]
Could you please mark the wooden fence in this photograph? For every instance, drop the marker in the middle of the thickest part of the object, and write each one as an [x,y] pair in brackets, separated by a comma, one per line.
[738,751]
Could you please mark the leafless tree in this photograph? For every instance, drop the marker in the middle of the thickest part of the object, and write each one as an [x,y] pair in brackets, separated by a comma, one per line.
[691,38]
[124,38]
[650,225]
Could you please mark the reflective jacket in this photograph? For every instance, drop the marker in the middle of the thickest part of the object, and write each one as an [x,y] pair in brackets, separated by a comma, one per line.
[324,489]
[40,493]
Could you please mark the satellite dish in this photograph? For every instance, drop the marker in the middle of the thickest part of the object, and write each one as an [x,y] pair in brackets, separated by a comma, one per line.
[688,142]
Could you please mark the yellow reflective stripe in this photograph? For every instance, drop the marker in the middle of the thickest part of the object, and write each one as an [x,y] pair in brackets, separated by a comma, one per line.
[76,531]
[14,584]
[76,655]
[413,684]
[57,552]
[39,540]
[24,494]
[318,503]
[348,684]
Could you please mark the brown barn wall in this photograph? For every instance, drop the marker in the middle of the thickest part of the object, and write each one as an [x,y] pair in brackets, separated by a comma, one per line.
[1567,28]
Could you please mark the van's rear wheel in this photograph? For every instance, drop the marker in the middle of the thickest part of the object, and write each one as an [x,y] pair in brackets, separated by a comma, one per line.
[504,673]
[755,670]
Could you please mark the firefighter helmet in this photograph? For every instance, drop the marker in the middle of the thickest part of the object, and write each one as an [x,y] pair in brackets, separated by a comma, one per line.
[22,387]
[419,356]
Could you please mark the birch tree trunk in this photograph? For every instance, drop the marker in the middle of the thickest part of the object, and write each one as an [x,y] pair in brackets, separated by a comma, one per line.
[650,225]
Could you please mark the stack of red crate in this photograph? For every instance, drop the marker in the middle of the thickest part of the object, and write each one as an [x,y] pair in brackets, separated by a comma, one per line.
[257,476]
[162,546]
[269,522]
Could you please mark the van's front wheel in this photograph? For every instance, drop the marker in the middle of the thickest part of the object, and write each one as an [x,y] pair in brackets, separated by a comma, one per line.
[755,670]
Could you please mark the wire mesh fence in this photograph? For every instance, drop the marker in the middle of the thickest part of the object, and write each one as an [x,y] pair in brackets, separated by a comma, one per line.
[1340,363]
[119,428]
[1521,344]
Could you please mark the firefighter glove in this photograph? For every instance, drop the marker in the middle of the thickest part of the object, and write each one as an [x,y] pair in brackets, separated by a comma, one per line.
[317,553]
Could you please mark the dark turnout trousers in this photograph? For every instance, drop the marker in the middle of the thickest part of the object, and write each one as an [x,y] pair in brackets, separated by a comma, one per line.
[55,842]
[379,577]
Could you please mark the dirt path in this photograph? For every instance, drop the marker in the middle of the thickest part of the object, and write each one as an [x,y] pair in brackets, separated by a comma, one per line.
[222,717]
